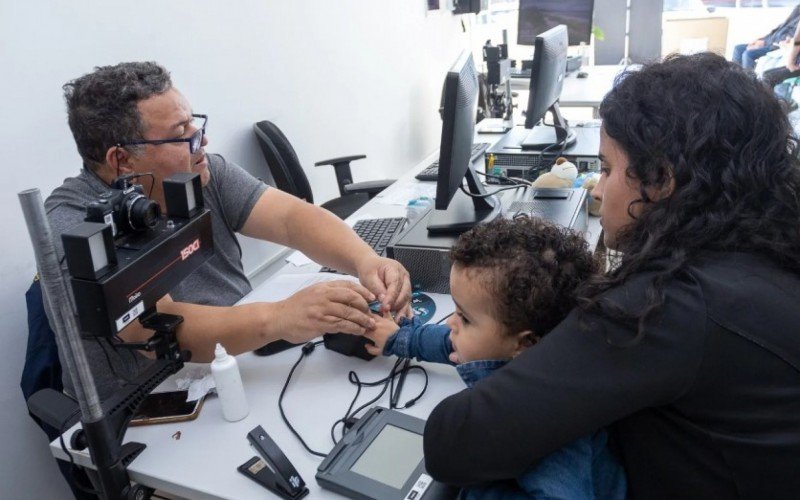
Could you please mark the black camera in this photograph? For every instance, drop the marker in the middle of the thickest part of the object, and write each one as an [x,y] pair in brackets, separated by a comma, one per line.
[125,208]
[118,275]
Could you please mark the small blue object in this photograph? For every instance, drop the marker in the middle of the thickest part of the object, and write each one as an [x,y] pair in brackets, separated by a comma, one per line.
[423,306]
[582,178]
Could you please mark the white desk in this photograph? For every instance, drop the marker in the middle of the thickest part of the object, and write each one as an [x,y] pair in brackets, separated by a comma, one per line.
[202,463]
[578,92]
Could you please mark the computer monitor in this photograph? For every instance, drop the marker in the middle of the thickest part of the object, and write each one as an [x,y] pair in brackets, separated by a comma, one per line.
[538,16]
[547,79]
[455,211]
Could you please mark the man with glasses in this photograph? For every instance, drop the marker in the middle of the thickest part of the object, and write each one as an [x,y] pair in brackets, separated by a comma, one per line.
[129,119]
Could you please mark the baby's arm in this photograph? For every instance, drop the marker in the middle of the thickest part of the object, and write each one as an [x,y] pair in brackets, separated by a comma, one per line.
[411,340]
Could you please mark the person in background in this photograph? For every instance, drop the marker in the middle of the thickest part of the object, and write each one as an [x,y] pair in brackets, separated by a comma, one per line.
[746,54]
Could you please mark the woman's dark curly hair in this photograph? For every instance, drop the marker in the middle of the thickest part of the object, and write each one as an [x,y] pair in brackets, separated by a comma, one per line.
[719,135]
[531,267]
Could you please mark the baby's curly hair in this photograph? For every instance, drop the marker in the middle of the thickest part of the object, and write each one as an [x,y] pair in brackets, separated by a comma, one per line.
[532,268]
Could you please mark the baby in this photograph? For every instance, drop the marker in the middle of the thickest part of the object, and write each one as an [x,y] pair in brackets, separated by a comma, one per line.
[512,281]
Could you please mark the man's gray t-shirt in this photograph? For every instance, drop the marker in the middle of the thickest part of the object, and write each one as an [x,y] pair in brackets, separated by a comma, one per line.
[230,195]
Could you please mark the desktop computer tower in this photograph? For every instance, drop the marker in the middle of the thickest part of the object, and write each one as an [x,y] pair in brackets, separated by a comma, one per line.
[426,256]
[510,160]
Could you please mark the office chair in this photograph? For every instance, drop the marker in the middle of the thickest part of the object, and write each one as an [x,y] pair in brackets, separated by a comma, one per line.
[290,177]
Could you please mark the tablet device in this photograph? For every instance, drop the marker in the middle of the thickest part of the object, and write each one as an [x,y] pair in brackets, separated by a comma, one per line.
[381,457]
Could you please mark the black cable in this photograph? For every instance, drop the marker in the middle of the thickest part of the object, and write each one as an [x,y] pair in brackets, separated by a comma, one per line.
[486,195]
[353,378]
[502,178]
[116,350]
[110,364]
[387,382]
[144,174]
[306,349]
[394,395]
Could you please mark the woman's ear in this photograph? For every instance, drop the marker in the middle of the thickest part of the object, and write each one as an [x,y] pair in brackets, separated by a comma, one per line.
[525,339]
[666,188]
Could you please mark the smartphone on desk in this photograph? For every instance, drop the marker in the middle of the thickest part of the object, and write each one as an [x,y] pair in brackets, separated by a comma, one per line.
[166,407]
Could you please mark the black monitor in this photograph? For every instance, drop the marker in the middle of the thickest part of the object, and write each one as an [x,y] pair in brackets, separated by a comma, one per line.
[457,211]
[538,16]
[547,79]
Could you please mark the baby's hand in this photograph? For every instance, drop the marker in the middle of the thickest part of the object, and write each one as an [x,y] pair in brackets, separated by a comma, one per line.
[384,328]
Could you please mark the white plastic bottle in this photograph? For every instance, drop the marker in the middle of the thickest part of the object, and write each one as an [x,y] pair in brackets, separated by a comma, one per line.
[230,390]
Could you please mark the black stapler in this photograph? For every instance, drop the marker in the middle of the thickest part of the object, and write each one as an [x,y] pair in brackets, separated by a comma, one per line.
[272,470]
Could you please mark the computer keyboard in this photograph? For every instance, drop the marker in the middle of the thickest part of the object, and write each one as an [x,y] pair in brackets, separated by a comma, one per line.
[376,232]
[432,171]
[520,73]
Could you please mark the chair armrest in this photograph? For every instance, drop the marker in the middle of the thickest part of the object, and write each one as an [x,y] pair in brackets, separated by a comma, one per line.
[342,168]
[371,188]
[343,159]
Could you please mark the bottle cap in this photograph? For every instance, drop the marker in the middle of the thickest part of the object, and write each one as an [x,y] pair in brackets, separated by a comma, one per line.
[219,351]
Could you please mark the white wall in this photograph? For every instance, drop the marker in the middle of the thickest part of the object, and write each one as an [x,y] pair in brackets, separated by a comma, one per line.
[339,77]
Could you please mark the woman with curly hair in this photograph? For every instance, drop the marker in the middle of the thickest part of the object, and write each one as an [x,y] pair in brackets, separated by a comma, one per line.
[689,349]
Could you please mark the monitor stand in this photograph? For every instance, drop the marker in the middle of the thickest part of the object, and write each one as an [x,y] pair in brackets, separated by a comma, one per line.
[464,211]
[543,136]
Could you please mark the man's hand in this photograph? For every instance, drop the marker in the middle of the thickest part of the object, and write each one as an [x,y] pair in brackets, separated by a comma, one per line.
[331,307]
[385,327]
[389,281]
[756,44]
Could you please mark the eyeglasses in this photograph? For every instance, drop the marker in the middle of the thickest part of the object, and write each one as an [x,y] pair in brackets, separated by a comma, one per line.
[195,140]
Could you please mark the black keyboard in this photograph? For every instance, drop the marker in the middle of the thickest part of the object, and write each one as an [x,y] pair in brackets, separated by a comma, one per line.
[432,171]
[376,232]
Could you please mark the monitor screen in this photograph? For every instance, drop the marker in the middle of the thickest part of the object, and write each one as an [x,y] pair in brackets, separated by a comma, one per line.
[538,16]
[459,107]
[547,73]
[391,457]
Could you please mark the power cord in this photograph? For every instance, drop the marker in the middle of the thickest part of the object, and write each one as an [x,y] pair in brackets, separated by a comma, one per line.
[305,350]
[513,180]
[486,195]
[350,416]
[388,383]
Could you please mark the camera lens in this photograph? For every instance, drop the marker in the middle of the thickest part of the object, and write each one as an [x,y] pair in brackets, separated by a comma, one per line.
[140,212]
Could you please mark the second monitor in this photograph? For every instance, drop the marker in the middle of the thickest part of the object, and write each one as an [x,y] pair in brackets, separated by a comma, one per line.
[547,80]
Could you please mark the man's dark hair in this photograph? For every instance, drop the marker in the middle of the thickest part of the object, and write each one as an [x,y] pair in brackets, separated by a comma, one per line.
[718,135]
[532,269]
[102,106]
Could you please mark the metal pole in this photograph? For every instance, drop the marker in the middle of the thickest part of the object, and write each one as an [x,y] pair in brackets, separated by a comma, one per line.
[59,305]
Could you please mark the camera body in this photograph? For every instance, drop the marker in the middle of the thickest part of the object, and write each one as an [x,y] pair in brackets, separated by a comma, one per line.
[125,208]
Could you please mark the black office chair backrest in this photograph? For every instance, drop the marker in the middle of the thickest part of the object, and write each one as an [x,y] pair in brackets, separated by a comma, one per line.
[282,160]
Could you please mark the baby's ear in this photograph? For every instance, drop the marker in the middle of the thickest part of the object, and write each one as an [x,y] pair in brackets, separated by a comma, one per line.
[525,339]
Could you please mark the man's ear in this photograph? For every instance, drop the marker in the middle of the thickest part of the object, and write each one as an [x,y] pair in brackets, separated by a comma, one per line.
[120,160]
[524,340]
